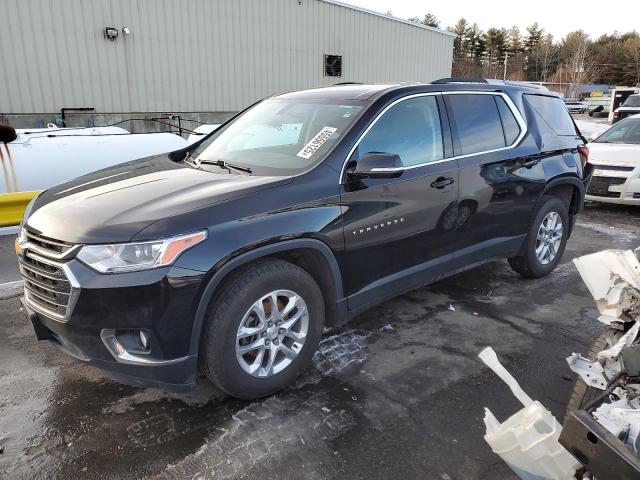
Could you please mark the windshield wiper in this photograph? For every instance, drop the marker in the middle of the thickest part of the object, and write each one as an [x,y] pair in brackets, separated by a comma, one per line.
[225,164]
[190,160]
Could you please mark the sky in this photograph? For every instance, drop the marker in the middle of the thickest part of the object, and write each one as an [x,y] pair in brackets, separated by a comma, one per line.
[557,17]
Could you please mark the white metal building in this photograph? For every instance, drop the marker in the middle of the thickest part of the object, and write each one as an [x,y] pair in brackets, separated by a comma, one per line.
[200,58]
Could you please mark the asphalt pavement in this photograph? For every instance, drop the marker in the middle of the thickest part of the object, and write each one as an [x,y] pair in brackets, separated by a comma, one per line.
[397,393]
[8,265]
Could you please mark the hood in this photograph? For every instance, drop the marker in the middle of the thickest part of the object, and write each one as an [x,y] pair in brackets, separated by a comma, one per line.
[114,204]
[614,154]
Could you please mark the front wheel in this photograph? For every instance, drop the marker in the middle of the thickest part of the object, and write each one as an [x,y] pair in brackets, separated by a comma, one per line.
[546,240]
[262,329]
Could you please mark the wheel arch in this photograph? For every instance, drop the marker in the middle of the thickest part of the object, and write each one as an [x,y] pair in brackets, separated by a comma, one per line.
[312,255]
[569,189]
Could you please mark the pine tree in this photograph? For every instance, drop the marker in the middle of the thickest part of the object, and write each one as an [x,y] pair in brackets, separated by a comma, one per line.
[496,47]
[515,41]
[430,20]
[459,44]
[476,42]
[532,49]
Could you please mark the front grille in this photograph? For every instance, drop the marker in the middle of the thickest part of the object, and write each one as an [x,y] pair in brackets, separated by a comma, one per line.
[606,194]
[599,186]
[46,286]
[611,180]
[48,246]
[614,168]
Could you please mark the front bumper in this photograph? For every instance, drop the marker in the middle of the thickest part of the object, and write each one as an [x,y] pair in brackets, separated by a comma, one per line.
[601,453]
[615,184]
[160,302]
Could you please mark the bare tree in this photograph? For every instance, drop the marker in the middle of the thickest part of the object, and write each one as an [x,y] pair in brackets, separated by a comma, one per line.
[548,53]
[580,65]
[631,48]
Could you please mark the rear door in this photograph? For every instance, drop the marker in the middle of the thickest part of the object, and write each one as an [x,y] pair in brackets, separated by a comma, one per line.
[499,182]
[400,231]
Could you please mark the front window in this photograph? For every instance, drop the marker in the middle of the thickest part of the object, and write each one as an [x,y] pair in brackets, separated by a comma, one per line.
[410,129]
[632,101]
[625,131]
[280,136]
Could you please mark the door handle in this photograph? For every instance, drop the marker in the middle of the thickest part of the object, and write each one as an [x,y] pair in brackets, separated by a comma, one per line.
[442,182]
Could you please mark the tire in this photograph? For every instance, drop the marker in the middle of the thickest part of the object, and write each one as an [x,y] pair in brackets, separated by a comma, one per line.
[529,265]
[238,302]
[582,394]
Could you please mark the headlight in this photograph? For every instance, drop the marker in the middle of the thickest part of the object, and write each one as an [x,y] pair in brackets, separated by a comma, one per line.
[128,257]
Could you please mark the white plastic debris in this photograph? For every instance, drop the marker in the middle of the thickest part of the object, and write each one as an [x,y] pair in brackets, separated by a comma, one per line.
[592,373]
[613,279]
[528,440]
[612,353]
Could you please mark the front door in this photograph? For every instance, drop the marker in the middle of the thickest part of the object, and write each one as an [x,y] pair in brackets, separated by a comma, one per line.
[400,231]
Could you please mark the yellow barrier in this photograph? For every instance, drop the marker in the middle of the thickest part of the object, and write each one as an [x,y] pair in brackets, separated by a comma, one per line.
[12,207]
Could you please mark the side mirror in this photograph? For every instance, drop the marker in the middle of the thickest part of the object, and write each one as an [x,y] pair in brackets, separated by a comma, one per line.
[7,134]
[378,165]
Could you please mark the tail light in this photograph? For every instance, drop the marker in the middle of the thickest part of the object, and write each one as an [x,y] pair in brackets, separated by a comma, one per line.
[583,150]
[616,114]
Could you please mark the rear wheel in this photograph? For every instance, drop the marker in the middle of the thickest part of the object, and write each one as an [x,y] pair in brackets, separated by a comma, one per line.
[546,240]
[263,329]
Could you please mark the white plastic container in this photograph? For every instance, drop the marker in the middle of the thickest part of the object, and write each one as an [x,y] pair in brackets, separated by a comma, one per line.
[528,440]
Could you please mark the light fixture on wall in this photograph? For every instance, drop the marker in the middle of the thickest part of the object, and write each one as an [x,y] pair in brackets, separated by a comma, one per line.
[126,31]
[111,33]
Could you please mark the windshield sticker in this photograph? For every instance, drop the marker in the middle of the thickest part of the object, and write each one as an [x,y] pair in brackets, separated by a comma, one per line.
[316,142]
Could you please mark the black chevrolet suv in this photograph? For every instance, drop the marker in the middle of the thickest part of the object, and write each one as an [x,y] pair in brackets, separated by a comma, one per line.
[230,256]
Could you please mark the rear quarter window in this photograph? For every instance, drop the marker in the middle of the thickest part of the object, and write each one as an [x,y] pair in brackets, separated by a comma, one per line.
[553,111]
[509,122]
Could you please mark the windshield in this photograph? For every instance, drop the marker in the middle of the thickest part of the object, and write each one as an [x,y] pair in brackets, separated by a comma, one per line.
[280,136]
[625,131]
[632,101]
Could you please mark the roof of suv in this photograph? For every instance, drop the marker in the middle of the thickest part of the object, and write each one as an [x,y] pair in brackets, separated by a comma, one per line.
[357,91]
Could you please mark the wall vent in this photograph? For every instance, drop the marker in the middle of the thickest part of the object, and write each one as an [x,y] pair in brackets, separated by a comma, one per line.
[333,65]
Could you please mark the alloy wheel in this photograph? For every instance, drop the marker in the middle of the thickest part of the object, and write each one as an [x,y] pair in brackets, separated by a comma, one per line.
[549,238]
[272,333]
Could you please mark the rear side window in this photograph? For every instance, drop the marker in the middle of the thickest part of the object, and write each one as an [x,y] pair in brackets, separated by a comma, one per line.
[509,123]
[478,123]
[553,112]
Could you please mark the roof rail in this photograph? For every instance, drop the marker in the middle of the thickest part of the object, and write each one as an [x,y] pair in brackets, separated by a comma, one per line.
[523,83]
[491,81]
[459,80]
[348,83]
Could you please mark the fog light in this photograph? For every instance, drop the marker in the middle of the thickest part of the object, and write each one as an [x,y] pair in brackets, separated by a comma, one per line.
[118,348]
[144,339]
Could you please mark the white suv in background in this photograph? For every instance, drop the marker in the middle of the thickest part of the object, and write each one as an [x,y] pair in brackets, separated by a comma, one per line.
[615,156]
